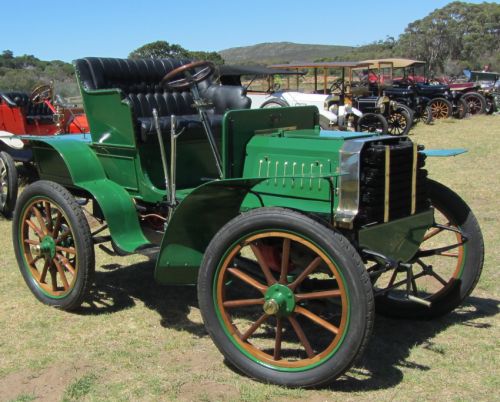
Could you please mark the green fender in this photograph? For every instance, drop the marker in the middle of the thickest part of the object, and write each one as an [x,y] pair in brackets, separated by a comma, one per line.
[193,225]
[68,160]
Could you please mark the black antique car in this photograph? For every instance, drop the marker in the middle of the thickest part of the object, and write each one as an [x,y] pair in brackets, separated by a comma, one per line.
[405,81]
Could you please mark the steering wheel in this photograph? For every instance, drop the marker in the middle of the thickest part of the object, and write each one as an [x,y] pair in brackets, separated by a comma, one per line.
[41,93]
[190,77]
[337,85]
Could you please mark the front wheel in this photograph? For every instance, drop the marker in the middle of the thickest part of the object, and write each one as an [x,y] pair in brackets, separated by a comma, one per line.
[284,298]
[274,102]
[53,245]
[399,122]
[8,184]
[373,123]
[461,109]
[447,266]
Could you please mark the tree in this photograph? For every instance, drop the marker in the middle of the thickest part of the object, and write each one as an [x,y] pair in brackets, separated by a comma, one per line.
[158,50]
[214,57]
[162,49]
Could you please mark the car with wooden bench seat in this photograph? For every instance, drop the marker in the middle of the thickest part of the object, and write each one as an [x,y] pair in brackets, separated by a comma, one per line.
[292,234]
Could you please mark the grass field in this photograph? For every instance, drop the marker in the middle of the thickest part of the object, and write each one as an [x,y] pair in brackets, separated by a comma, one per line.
[136,340]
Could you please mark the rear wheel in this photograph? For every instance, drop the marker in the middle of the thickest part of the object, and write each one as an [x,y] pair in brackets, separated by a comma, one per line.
[373,123]
[284,298]
[8,184]
[444,277]
[53,245]
[440,108]
[476,102]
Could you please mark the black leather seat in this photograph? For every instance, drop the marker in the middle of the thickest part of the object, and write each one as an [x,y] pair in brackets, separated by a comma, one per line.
[39,112]
[139,82]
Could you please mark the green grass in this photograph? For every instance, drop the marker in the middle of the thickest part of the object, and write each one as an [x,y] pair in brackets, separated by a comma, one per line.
[136,340]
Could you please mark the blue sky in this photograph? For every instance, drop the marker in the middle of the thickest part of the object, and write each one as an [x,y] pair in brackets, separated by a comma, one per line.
[67,30]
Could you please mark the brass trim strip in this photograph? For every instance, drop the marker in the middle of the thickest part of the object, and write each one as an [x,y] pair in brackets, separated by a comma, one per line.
[387,182]
[414,180]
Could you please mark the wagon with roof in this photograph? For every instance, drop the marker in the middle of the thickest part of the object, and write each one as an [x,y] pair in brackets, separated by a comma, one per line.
[291,233]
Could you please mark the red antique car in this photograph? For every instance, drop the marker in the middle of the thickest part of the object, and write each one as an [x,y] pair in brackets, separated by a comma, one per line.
[37,114]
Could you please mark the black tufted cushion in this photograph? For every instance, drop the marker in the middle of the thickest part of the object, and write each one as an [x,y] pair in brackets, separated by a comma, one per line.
[19,98]
[139,81]
[39,112]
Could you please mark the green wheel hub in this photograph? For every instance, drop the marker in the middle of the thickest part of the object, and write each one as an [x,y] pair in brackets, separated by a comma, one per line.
[279,300]
[47,247]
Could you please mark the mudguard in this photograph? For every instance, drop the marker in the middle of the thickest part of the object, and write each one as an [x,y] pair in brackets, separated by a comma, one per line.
[68,160]
[194,223]
[444,152]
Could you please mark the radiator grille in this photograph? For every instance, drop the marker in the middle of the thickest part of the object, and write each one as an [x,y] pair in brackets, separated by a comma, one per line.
[375,189]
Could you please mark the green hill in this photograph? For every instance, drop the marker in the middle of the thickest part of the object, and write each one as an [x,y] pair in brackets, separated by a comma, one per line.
[281,52]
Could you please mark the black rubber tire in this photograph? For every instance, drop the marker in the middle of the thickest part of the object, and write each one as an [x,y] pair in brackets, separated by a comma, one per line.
[274,102]
[8,184]
[442,101]
[476,102]
[459,214]
[490,104]
[373,123]
[461,109]
[427,117]
[399,122]
[81,237]
[408,110]
[335,246]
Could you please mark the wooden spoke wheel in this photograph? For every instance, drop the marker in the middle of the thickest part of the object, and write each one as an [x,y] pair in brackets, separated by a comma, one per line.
[280,302]
[476,102]
[446,268]
[8,184]
[440,108]
[461,109]
[53,245]
[399,122]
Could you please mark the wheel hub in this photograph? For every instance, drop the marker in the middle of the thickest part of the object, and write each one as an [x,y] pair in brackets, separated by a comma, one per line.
[47,248]
[279,300]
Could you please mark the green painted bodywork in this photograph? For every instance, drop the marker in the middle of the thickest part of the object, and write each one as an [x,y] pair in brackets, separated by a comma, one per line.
[271,157]
[193,225]
[399,239]
[70,161]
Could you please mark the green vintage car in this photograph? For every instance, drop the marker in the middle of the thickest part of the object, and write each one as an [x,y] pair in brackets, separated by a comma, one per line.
[293,235]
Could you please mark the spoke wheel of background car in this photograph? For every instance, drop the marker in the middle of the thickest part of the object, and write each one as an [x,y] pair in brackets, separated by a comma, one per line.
[399,122]
[426,116]
[476,102]
[408,110]
[440,108]
[8,184]
[444,279]
[53,245]
[461,109]
[373,123]
[284,298]
[490,104]
[274,103]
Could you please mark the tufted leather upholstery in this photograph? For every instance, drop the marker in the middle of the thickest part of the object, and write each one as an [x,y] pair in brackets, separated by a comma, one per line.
[39,112]
[139,79]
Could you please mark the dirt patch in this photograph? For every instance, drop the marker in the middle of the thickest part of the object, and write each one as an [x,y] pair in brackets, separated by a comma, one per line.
[47,385]
[209,391]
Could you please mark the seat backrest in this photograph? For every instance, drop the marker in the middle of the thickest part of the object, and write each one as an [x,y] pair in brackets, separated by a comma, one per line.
[19,98]
[139,80]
